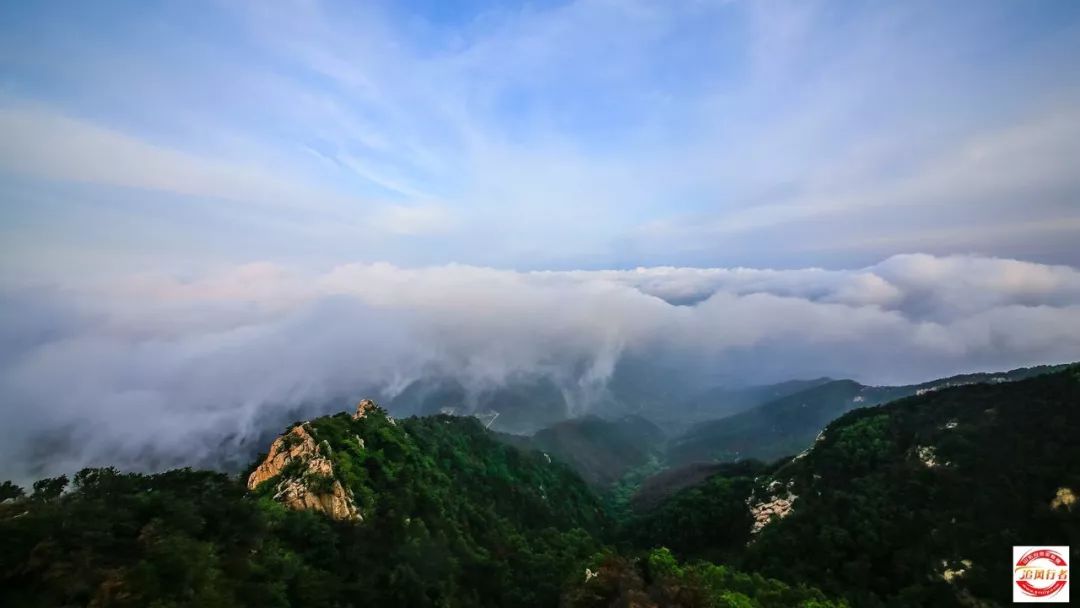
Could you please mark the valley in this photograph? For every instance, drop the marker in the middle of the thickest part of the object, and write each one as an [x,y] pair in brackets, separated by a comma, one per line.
[907,503]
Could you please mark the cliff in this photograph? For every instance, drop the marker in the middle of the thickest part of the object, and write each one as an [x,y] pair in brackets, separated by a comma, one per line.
[305,475]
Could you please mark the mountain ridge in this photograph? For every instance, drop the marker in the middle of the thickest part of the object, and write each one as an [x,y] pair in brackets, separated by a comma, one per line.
[914,502]
[787,425]
[907,503]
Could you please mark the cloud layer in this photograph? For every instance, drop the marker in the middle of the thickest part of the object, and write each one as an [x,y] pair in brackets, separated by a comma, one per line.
[152,370]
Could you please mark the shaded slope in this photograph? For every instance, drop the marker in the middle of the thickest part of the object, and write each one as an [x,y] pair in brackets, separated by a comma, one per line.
[947,481]
[916,502]
[600,450]
[723,401]
[524,404]
[654,489]
[788,425]
[446,516]
[778,428]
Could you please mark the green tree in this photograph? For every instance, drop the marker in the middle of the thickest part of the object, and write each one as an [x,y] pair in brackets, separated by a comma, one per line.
[50,488]
[9,490]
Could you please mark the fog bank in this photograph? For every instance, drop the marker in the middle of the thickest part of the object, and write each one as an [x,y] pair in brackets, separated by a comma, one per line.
[153,370]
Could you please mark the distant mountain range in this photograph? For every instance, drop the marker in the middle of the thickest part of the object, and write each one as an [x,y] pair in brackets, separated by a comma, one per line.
[600,450]
[522,404]
[771,421]
[720,402]
[912,503]
[788,424]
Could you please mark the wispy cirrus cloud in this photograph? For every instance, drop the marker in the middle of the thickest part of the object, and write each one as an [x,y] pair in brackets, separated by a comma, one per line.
[49,145]
[757,132]
[41,143]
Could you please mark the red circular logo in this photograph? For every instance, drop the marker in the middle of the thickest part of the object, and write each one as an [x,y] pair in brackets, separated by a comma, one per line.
[1041,573]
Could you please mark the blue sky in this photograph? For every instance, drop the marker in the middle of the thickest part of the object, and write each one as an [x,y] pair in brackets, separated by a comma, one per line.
[540,135]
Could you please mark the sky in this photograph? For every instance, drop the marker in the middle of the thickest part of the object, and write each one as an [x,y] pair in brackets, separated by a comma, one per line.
[538,135]
[212,210]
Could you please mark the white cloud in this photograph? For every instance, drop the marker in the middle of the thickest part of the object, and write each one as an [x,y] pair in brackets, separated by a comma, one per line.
[589,133]
[43,143]
[40,142]
[152,361]
[972,180]
[413,220]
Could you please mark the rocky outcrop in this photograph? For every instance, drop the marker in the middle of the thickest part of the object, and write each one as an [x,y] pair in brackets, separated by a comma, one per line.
[927,455]
[337,504]
[953,575]
[1064,500]
[363,408]
[297,444]
[306,476]
[775,505]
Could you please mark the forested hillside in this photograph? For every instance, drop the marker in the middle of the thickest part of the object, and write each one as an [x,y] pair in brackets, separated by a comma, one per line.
[778,428]
[444,515]
[723,401]
[601,451]
[786,425]
[913,503]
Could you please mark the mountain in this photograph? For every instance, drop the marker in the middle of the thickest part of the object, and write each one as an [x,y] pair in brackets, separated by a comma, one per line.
[344,510]
[654,489]
[778,428]
[656,579]
[913,503]
[722,401]
[521,405]
[601,451]
[788,425]
[669,396]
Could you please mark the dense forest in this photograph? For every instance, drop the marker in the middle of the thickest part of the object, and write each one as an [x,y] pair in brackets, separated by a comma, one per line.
[916,502]
[449,517]
[788,422]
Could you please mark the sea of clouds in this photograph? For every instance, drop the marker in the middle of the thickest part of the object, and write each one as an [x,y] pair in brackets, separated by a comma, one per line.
[147,371]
